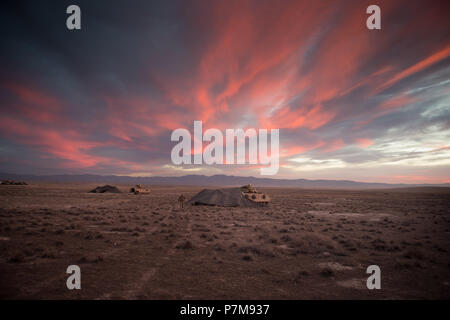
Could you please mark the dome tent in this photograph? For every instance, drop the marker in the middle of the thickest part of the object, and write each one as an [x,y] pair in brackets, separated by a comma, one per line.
[105,189]
[229,197]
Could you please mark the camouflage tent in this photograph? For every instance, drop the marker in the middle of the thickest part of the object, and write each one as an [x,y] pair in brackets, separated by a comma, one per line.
[13,183]
[229,197]
[105,189]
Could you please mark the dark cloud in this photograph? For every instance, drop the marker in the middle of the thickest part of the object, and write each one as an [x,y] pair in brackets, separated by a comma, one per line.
[105,99]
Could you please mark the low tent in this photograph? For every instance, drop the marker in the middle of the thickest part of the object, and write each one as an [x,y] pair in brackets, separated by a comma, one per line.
[229,197]
[13,183]
[105,189]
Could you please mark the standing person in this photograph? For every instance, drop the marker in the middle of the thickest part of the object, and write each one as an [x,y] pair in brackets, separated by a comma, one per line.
[181,200]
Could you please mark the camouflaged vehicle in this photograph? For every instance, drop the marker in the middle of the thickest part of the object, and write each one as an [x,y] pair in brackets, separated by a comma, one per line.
[250,193]
[139,189]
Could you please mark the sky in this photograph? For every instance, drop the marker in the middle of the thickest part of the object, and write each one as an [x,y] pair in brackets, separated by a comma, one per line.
[350,103]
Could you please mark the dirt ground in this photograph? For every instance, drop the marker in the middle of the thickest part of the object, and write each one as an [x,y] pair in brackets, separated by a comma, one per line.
[308,244]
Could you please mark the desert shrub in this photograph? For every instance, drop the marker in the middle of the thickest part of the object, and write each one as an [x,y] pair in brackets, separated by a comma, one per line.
[186,244]
[413,254]
[256,251]
[16,257]
[48,254]
[327,273]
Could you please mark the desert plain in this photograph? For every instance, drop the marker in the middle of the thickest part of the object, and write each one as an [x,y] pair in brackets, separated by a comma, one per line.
[307,244]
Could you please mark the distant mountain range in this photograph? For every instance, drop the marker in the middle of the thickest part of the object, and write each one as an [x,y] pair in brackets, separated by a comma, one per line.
[215,180]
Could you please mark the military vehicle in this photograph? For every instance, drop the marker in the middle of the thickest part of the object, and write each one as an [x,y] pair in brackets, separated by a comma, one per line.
[250,193]
[139,189]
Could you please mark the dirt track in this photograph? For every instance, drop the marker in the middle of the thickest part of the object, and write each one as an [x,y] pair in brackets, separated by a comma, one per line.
[308,244]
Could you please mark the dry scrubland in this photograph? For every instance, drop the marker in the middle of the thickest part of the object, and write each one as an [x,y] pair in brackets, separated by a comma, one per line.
[308,244]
